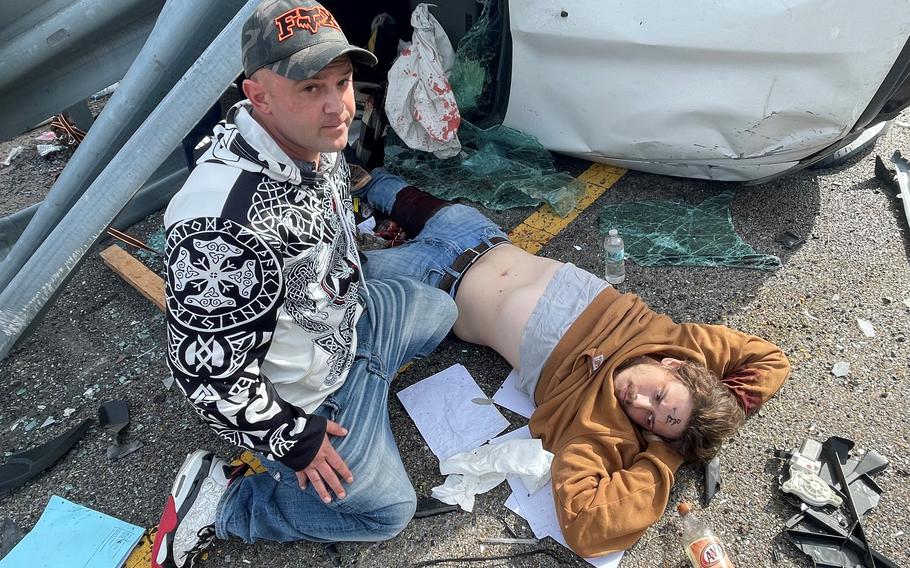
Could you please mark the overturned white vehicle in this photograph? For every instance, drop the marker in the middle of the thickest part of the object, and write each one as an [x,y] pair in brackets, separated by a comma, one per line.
[733,90]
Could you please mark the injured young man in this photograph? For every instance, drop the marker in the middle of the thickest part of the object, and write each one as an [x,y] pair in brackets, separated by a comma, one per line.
[623,395]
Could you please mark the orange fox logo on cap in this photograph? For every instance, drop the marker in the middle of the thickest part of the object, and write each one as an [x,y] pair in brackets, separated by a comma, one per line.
[309,19]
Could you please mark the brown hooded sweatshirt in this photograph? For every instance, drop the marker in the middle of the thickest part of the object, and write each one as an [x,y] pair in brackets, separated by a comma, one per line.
[608,484]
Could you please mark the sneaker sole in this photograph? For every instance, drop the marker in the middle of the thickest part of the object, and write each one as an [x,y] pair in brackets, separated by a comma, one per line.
[203,509]
[186,487]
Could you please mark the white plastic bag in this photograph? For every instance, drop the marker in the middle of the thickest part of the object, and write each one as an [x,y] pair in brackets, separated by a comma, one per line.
[420,104]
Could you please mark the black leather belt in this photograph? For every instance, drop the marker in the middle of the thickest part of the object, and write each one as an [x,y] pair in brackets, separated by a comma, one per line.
[465,260]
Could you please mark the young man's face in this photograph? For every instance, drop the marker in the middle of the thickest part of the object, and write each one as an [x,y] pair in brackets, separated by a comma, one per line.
[654,398]
[311,116]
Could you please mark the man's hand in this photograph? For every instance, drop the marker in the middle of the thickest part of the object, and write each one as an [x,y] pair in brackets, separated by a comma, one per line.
[327,467]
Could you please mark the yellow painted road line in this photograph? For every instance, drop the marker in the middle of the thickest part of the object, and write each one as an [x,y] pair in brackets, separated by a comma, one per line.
[532,234]
[141,557]
[544,224]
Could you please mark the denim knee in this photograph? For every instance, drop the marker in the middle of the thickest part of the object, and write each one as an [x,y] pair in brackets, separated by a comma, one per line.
[437,306]
[447,311]
[392,519]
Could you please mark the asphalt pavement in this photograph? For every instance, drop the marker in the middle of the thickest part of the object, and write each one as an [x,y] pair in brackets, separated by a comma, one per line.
[103,341]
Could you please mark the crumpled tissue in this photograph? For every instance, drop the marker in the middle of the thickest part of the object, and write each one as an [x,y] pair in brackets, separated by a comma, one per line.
[482,469]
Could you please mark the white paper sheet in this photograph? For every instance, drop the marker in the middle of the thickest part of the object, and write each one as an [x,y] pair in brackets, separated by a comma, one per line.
[443,408]
[367,226]
[523,433]
[536,508]
[512,504]
[508,396]
[539,510]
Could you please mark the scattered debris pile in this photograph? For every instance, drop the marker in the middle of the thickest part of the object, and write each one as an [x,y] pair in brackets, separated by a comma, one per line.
[835,491]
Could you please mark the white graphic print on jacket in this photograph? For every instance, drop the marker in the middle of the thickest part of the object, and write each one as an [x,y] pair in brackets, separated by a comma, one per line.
[262,290]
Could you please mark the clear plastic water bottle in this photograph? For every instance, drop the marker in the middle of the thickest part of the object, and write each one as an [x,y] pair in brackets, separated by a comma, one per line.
[702,546]
[614,257]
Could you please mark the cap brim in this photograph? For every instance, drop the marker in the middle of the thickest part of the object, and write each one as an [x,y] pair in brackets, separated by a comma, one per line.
[307,62]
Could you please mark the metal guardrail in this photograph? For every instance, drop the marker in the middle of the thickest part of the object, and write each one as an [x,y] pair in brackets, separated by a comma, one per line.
[55,53]
[170,85]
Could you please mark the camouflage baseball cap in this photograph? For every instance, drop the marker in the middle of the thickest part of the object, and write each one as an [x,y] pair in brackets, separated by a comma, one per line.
[296,39]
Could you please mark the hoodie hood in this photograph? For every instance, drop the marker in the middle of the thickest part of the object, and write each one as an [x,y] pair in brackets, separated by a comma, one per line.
[241,142]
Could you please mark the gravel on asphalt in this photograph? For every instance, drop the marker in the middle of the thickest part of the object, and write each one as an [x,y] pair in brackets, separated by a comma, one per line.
[103,341]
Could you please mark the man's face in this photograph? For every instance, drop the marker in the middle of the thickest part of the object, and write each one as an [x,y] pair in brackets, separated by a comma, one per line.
[654,398]
[311,116]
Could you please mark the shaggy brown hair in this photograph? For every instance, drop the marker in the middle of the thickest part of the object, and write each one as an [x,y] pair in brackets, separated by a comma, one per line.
[716,414]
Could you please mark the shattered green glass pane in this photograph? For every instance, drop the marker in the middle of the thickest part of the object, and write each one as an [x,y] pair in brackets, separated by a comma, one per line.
[467,78]
[474,60]
[500,168]
[673,233]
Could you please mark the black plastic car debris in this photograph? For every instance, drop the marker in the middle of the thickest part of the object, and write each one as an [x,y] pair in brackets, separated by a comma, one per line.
[431,506]
[902,176]
[828,543]
[789,239]
[827,478]
[712,479]
[886,175]
[114,416]
[23,467]
[10,535]
[864,494]
[331,550]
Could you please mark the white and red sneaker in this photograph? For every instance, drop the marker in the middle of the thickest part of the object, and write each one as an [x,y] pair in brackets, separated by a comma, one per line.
[187,525]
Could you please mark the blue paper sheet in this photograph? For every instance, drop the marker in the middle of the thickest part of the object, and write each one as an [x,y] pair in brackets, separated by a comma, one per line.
[74,536]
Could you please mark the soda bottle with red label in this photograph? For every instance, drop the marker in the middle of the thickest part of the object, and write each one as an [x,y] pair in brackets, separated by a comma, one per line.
[702,546]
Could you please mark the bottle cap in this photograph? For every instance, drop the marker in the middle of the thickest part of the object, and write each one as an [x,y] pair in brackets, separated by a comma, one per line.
[613,232]
[684,508]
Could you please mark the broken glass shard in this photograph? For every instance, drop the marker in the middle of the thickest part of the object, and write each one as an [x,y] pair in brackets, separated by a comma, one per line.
[500,168]
[866,327]
[840,369]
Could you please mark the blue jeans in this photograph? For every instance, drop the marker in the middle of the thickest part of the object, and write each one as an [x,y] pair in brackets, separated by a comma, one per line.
[403,319]
[429,255]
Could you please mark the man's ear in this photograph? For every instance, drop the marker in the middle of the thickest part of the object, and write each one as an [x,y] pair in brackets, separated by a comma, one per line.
[671,362]
[257,94]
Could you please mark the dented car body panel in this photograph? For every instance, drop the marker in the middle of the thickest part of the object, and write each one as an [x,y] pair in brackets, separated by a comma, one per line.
[716,90]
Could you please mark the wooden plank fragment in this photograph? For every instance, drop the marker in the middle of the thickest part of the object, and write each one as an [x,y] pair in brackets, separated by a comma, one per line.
[136,274]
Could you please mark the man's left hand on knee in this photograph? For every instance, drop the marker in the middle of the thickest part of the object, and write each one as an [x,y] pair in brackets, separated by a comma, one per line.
[327,467]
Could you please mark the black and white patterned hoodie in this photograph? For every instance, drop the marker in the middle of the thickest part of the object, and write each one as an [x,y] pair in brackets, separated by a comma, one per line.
[262,289]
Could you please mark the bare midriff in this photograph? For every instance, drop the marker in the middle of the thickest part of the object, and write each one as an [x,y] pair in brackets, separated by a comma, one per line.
[497,296]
